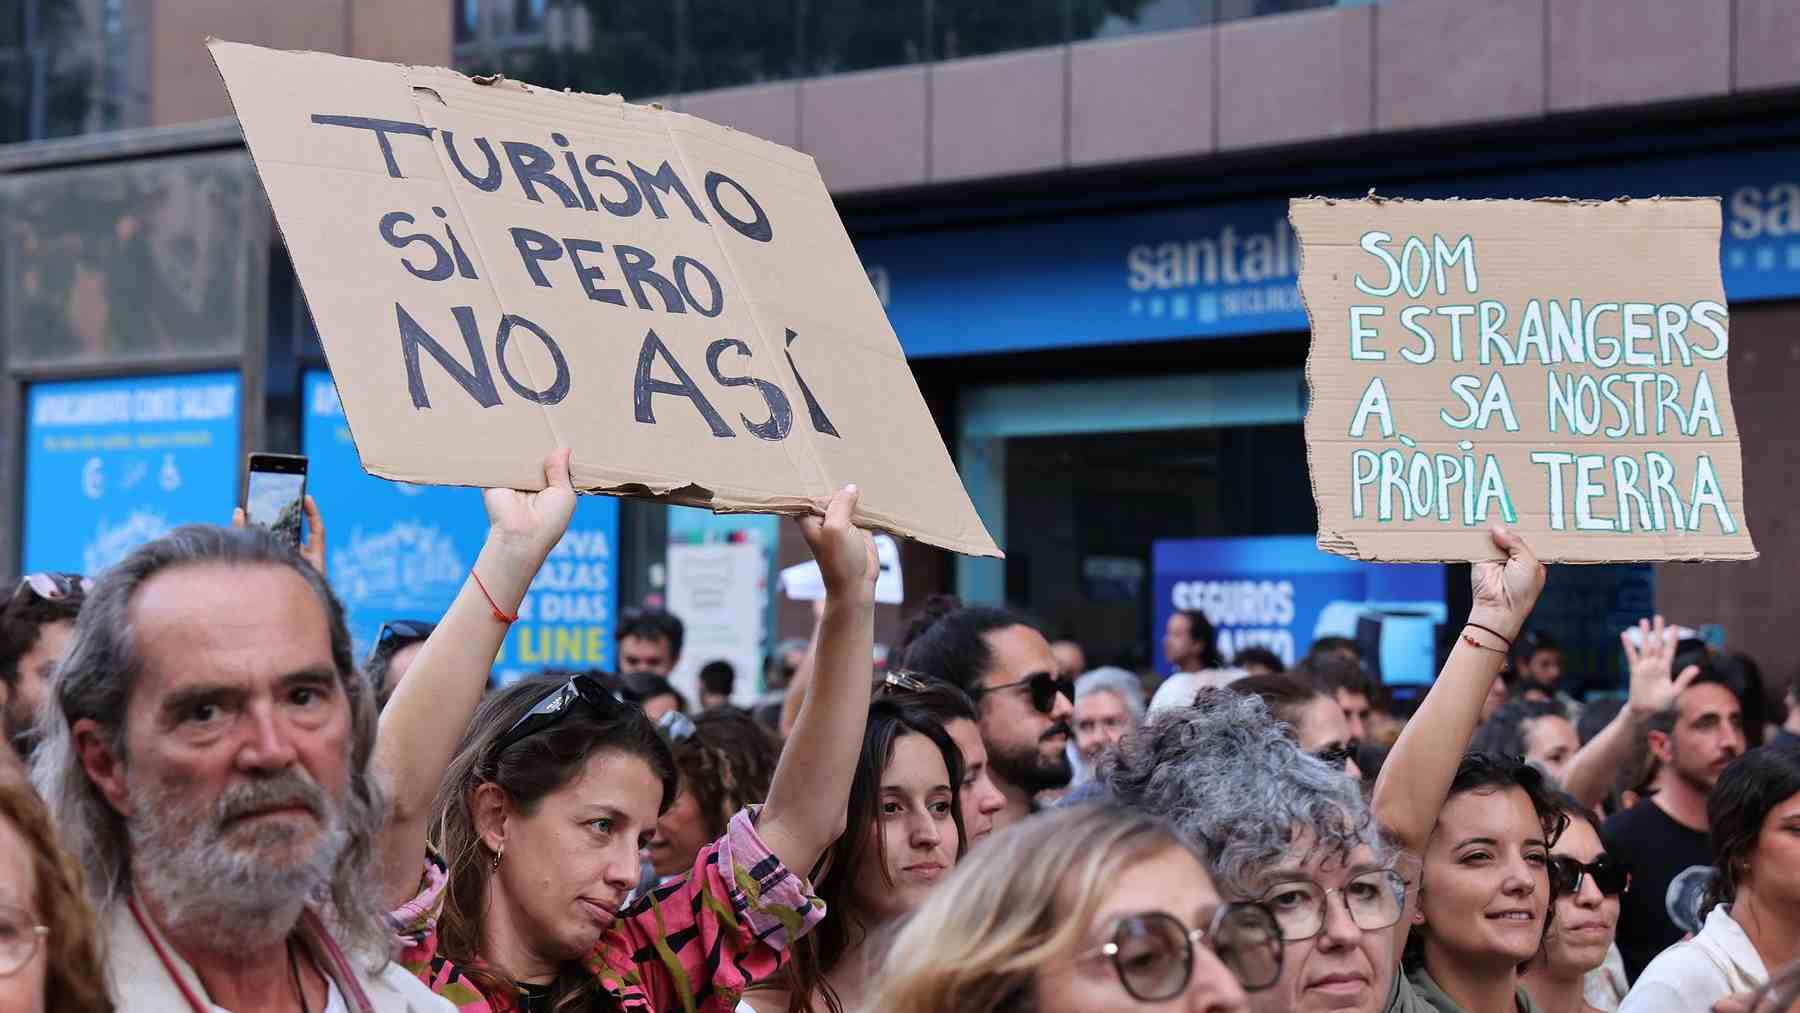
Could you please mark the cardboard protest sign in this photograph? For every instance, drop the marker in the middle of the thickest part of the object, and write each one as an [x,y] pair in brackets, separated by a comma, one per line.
[497,270]
[1557,365]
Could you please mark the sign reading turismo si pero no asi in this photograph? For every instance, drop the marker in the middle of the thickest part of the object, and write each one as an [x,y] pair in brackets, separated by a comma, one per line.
[497,270]
[1556,365]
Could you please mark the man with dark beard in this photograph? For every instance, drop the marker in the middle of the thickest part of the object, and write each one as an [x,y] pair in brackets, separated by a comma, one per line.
[205,752]
[1004,662]
[1664,841]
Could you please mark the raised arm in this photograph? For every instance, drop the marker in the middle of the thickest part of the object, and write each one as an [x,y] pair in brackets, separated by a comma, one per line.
[805,808]
[1596,766]
[802,679]
[431,708]
[1416,778]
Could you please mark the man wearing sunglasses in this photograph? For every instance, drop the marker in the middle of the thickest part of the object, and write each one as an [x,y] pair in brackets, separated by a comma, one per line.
[1004,663]
[35,625]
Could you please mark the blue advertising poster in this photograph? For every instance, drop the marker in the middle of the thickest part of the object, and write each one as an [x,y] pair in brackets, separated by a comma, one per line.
[111,464]
[1229,268]
[401,551]
[1282,593]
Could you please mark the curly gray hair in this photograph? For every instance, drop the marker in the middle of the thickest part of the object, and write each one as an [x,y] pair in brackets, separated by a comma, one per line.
[1227,775]
[96,680]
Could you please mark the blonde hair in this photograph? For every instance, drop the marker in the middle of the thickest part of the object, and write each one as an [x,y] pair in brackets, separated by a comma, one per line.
[1022,902]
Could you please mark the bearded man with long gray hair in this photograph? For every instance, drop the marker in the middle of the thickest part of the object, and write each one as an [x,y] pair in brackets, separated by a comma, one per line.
[205,753]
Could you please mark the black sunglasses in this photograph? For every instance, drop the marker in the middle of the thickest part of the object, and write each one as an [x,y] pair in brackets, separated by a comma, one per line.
[1043,686]
[1566,875]
[1336,757]
[557,704]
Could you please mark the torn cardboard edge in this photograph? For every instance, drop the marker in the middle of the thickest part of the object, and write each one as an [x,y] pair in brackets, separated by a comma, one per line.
[436,87]
[1377,545]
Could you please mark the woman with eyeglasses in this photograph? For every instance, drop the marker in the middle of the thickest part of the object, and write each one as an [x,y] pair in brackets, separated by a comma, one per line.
[1089,909]
[1281,828]
[1569,974]
[1753,903]
[903,833]
[50,951]
[547,799]
[1315,719]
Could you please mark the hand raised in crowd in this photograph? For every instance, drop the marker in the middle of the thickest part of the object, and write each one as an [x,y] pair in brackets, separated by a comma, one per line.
[1652,658]
[529,524]
[1506,590]
[313,548]
[845,553]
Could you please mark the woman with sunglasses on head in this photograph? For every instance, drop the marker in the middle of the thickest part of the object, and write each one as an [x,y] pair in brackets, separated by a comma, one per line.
[1314,720]
[1480,827]
[547,799]
[1089,909]
[1281,828]
[979,798]
[1753,903]
[903,834]
[726,761]
[1569,974]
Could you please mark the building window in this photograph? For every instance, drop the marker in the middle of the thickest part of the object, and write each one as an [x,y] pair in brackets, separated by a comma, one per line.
[467,16]
[528,15]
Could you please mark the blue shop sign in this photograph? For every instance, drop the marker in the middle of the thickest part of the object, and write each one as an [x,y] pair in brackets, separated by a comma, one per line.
[1229,269]
[402,551]
[1282,593]
[111,464]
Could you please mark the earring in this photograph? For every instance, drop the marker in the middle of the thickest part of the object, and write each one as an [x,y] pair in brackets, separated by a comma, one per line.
[494,866]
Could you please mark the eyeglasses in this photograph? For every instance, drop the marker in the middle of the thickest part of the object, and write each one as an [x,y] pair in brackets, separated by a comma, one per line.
[556,705]
[1566,875]
[19,939]
[1044,688]
[52,586]
[1153,952]
[1373,900]
[1337,757]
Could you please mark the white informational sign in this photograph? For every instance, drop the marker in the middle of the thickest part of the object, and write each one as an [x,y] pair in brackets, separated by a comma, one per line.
[804,582]
[719,592]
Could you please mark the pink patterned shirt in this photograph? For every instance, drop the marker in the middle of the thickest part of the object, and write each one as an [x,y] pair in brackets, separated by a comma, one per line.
[691,945]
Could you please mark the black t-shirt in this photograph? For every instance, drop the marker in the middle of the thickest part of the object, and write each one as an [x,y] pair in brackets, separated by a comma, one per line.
[1669,863]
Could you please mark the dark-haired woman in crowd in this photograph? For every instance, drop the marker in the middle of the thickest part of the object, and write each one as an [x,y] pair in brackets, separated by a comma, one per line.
[546,801]
[903,834]
[1090,909]
[1315,721]
[1537,730]
[725,764]
[1481,826]
[953,709]
[1753,905]
[50,955]
[1570,973]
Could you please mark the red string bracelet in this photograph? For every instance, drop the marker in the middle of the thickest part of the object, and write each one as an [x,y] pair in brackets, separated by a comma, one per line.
[1472,642]
[493,605]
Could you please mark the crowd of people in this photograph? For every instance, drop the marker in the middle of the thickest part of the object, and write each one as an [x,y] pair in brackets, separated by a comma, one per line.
[208,804]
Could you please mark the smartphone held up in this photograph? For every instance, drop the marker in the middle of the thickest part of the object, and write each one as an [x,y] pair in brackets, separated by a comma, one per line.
[275,495]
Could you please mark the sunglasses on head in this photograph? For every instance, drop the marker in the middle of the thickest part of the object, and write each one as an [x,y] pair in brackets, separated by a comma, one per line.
[556,705]
[901,681]
[1153,952]
[1043,686]
[52,586]
[1566,875]
[402,633]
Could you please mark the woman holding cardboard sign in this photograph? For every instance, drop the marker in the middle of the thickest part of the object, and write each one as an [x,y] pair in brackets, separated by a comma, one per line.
[1482,826]
[546,801]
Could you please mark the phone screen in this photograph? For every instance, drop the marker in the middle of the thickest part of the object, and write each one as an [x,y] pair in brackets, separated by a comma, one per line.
[274,501]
